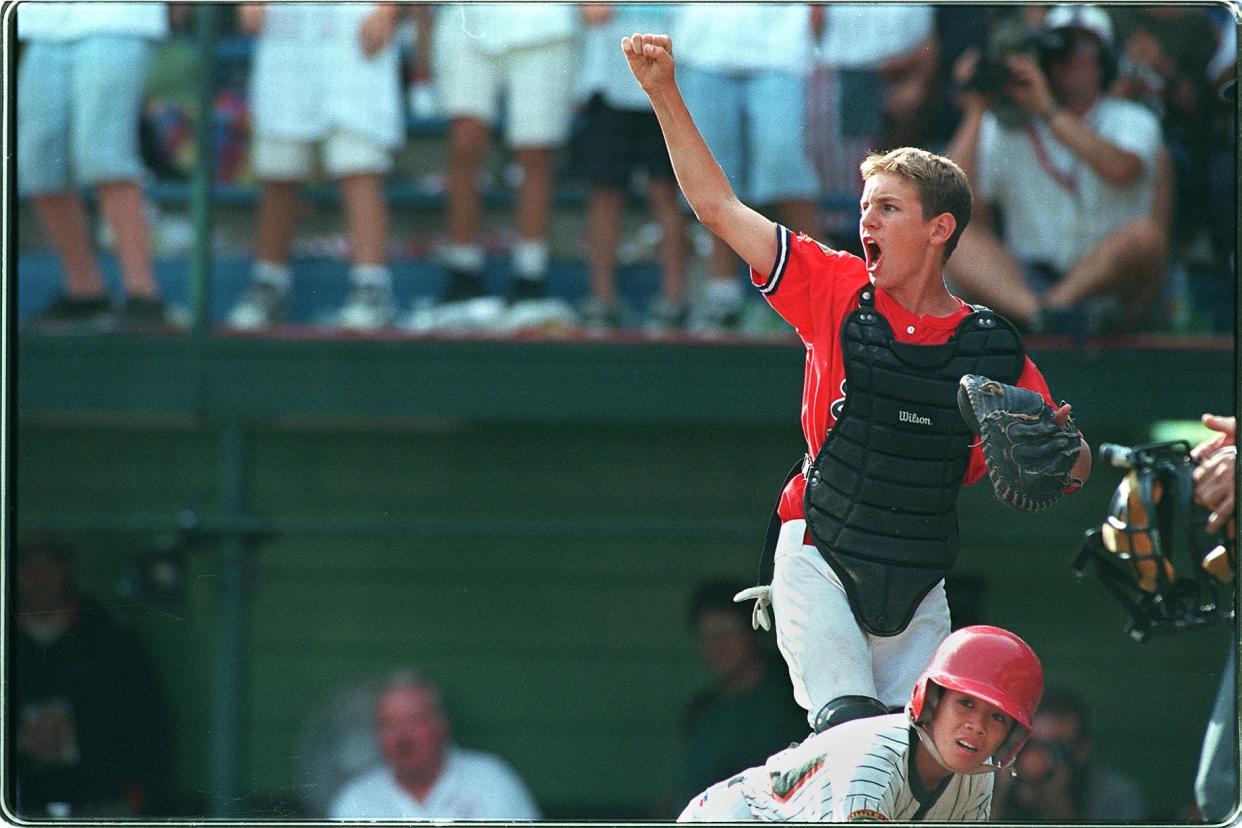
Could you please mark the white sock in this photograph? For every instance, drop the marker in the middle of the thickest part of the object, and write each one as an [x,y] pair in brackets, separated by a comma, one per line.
[462,257]
[371,275]
[530,259]
[275,274]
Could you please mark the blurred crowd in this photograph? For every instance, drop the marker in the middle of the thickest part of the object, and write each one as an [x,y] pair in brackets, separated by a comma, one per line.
[1099,141]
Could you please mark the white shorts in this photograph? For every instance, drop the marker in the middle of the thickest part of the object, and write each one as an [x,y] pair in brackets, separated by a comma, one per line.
[537,82]
[828,654]
[78,107]
[344,153]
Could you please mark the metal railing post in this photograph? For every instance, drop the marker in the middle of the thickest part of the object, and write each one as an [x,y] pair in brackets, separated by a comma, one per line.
[231,677]
[202,195]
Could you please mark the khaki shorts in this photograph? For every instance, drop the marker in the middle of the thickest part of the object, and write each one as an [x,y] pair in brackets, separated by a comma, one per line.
[537,82]
[343,154]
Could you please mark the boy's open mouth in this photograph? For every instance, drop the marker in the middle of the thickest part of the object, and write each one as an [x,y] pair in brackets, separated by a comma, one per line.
[871,252]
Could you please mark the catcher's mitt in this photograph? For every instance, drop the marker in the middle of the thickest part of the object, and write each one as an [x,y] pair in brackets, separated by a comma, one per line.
[1028,453]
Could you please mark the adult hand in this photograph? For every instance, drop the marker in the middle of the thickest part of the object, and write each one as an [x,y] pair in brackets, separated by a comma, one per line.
[1028,86]
[377,29]
[1215,477]
[46,735]
[1215,482]
[1226,429]
[651,59]
[969,99]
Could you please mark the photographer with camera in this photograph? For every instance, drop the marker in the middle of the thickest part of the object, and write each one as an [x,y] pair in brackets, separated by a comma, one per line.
[1058,779]
[1073,174]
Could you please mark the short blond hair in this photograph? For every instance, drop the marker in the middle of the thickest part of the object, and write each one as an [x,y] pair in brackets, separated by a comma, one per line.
[941,184]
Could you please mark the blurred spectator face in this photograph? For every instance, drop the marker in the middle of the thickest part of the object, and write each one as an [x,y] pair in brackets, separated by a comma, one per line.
[411,731]
[43,581]
[726,645]
[1056,743]
[1074,72]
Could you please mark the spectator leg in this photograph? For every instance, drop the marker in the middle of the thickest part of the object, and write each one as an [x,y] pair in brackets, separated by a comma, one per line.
[124,208]
[535,194]
[722,263]
[1130,263]
[366,216]
[278,205]
[983,271]
[603,230]
[468,144]
[63,216]
[665,206]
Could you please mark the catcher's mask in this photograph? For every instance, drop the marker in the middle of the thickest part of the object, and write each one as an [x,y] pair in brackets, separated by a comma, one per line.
[1153,552]
[990,664]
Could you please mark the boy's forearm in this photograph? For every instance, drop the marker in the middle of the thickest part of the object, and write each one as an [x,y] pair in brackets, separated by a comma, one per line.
[701,179]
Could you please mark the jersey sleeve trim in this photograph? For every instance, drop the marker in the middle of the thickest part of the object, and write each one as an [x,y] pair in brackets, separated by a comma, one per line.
[782,261]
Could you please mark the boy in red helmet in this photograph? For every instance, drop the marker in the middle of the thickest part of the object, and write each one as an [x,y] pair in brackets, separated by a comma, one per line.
[968,715]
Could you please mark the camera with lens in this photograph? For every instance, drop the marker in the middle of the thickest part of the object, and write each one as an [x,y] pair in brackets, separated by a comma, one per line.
[992,71]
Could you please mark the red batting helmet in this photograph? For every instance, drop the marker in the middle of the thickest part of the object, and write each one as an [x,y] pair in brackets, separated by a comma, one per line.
[990,664]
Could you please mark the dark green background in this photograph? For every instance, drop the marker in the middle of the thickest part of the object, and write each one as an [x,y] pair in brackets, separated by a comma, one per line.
[524,521]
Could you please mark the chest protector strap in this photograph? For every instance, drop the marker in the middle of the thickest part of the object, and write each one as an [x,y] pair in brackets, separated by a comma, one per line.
[881,494]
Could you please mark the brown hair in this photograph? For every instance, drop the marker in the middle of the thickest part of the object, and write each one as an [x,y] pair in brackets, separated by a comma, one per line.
[940,182]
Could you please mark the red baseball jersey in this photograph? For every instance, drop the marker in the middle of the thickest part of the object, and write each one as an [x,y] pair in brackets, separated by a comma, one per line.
[814,288]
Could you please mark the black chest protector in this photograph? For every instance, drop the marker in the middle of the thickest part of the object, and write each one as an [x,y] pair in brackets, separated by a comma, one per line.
[881,494]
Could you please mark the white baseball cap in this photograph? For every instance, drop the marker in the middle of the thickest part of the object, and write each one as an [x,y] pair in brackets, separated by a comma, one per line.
[1088,18]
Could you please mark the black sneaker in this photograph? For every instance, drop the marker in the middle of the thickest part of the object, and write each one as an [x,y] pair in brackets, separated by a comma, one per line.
[144,311]
[714,319]
[73,310]
[599,317]
[527,289]
[462,285]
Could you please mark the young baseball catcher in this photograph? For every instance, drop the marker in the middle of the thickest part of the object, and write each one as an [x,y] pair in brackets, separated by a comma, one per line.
[968,715]
[863,537]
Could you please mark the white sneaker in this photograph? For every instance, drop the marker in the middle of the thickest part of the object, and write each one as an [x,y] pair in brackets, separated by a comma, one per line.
[549,314]
[718,308]
[714,317]
[262,305]
[368,308]
[664,315]
[480,313]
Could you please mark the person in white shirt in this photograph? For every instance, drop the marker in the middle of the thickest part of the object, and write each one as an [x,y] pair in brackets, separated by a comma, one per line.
[968,716]
[425,775]
[617,140]
[742,68]
[325,79]
[1075,175]
[523,54]
[79,100]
